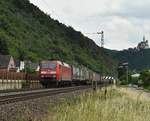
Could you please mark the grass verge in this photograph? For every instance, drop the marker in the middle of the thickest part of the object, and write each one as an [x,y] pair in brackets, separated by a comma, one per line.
[114,106]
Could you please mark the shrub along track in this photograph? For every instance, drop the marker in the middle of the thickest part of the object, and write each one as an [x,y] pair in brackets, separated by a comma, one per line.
[26,95]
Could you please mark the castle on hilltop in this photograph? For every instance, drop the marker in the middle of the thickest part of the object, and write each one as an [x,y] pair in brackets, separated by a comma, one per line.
[143,45]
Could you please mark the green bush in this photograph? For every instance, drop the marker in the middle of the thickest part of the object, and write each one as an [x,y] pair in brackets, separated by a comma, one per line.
[145,77]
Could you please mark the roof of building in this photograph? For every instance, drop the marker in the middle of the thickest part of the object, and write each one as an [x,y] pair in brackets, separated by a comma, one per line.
[4,61]
[135,75]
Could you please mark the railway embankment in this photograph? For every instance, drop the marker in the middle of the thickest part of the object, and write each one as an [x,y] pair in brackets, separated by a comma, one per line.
[35,109]
[115,104]
[111,103]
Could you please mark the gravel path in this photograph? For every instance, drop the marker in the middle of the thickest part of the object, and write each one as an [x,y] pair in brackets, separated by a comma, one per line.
[136,94]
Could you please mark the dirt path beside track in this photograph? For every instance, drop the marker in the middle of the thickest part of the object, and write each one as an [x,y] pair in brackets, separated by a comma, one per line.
[136,94]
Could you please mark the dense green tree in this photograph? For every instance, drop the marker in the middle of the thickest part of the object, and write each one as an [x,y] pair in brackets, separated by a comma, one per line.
[145,77]
[3,46]
[122,75]
[33,35]
[138,60]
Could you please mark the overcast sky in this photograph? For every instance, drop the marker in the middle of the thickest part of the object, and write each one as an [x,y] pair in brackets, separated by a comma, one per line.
[123,21]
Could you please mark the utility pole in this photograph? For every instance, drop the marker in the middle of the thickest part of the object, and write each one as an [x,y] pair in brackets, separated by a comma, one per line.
[102,37]
[127,74]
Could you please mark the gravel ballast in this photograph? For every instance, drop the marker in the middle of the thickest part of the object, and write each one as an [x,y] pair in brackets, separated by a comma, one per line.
[35,109]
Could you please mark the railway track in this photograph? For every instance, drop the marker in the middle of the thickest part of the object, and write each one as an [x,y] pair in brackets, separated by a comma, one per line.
[18,90]
[8,98]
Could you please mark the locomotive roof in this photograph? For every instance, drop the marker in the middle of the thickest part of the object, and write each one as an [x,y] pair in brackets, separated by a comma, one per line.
[62,63]
[58,62]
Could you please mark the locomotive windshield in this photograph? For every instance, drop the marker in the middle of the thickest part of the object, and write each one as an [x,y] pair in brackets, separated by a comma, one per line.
[48,65]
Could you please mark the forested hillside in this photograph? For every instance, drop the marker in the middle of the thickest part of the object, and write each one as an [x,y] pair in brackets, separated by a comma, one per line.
[29,34]
[138,60]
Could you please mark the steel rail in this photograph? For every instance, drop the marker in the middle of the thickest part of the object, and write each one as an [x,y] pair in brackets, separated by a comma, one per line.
[18,90]
[12,98]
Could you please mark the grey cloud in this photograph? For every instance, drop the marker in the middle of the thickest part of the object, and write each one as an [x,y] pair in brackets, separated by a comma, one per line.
[124,21]
[130,11]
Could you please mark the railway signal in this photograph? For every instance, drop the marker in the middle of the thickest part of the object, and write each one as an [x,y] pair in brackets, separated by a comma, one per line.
[124,67]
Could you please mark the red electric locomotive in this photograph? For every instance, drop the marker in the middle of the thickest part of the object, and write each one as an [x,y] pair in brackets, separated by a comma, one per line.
[55,72]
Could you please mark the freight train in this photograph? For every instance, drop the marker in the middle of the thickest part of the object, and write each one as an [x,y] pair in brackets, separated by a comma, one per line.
[59,73]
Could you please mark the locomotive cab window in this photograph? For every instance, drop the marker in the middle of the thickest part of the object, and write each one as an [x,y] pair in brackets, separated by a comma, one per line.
[48,66]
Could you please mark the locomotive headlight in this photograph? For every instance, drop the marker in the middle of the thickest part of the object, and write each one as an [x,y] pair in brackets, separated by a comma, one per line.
[43,72]
[53,72]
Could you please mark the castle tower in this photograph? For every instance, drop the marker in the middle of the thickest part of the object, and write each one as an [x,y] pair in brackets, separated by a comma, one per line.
[143,45]
[146,44]
[144,39]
